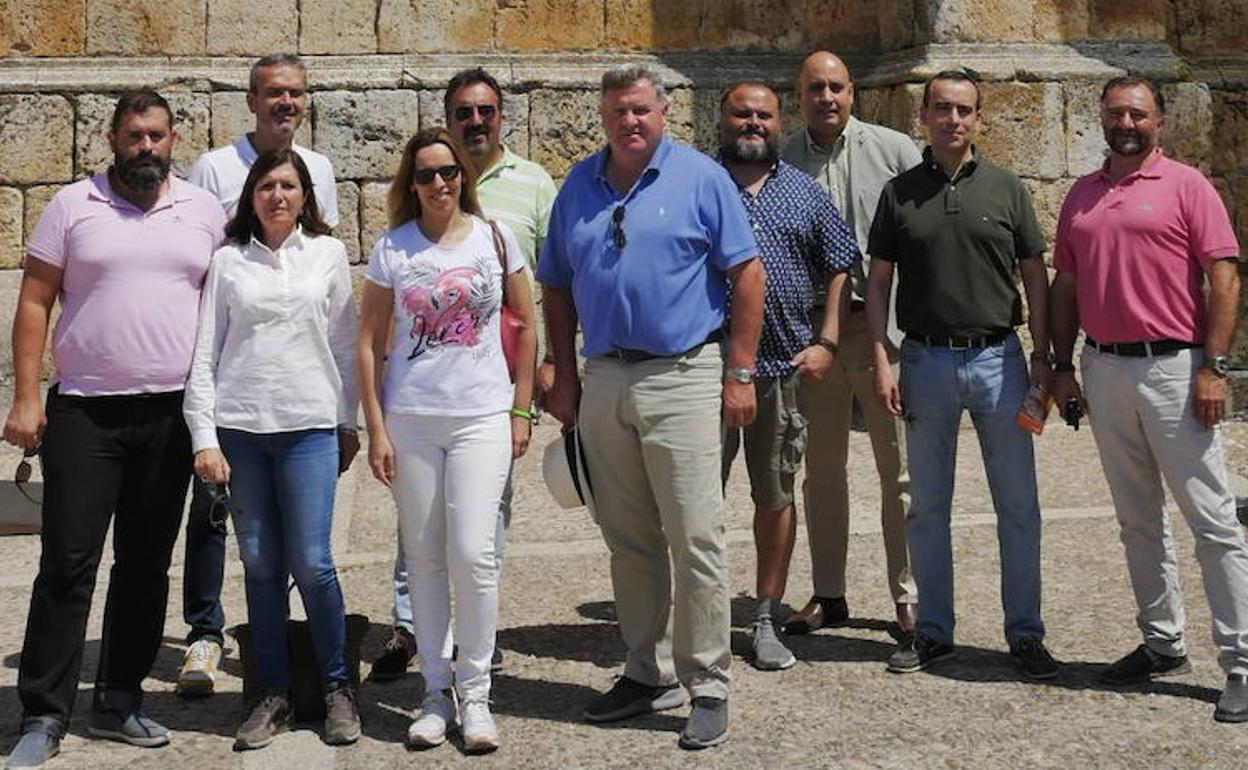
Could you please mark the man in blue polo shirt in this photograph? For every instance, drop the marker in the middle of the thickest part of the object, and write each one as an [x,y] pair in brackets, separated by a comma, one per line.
[644,238]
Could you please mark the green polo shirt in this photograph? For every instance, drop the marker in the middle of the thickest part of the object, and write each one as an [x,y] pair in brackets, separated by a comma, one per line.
[519,193]
[955,244]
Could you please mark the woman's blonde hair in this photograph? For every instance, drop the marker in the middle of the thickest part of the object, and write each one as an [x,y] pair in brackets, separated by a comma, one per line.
[403,203]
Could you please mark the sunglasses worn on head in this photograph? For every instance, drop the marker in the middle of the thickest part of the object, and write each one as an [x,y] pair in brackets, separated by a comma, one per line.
[425,175]
[617,227]
[486,111]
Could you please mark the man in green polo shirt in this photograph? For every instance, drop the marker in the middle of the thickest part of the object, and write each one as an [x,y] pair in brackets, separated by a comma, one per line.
[510,189]
[954,229]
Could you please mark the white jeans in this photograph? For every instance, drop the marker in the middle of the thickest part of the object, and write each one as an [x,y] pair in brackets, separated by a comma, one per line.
[449,479]
[1145,431]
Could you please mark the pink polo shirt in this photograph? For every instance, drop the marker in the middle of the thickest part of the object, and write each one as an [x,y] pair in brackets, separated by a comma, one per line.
[131,284]
[1138,249]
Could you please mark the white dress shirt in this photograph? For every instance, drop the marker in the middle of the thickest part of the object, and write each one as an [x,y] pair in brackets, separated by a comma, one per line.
[276,345]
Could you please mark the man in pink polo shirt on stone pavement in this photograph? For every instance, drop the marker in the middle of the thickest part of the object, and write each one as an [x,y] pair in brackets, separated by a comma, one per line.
[1136,242]
[126,252]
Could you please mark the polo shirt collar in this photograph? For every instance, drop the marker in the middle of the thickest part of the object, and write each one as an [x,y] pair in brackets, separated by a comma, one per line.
[656,161]
[507,160]
[771,172]
[966,169]
[101,190]
[1149,169]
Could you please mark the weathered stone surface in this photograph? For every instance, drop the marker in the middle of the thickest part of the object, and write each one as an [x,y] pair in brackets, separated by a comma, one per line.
[844,26]
[1230,126]
[1085,141]
[373,217]
[95,113]
[1137,20]
[535,25]
[42,27]
[1059,20]
[10,228]
[249,28]
[36,137]
[1188,133]
[1010,21]
[1047,197]
[683,121]
[896,107]
[647,24]
[348,229]
[1023,128]
[515,117]
[1203,26]
[36,201]
[138,27]
[435,25]
[230,118]
[338,26]
[364,133]
[565,127]
[744,24]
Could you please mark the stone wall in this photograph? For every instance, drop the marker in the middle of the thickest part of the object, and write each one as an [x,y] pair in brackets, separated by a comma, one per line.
[377,68]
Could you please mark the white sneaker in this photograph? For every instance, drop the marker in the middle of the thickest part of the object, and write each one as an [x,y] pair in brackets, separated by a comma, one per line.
[199,668]
[436,716]
[480,734]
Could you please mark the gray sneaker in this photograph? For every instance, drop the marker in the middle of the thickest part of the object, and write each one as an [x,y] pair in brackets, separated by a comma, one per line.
[342,716]
[770,654]
[36,746]
[132,727]
[707,725]
[630,698]
[269,717]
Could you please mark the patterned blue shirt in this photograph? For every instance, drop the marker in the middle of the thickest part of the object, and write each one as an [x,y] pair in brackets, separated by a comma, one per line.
[803,242]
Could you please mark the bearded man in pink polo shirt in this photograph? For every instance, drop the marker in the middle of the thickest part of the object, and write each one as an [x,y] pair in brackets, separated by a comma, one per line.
[125,252]
[1137,241]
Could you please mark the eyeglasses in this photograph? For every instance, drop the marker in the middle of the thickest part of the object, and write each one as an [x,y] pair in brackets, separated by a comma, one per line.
[220,510]
[22,475]
[486,111]
[617,228]
[426,175]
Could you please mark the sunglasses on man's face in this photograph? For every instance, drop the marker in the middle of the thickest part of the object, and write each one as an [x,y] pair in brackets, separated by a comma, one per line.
[486,111]
[426,175]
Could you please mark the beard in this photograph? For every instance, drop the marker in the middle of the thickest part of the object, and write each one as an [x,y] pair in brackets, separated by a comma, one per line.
[472,132]
[141,172]
[742,151]
[1127,142]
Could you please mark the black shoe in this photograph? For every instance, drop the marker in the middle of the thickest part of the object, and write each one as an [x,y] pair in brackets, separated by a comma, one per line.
[1233,705]
[269,717]
[1035,661]
[707,724]
[630,698]
[916,652]
[496,662]
[1142,665]
[395,657]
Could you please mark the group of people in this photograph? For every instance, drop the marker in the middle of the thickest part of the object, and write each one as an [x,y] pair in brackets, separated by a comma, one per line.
[741,302]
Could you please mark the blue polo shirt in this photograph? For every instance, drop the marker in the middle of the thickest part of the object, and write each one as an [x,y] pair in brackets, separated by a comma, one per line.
[684,227]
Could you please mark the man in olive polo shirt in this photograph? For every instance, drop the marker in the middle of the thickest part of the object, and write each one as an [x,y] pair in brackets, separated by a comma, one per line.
[954,228]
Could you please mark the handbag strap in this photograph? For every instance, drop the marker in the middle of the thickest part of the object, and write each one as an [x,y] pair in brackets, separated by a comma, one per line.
[500,248]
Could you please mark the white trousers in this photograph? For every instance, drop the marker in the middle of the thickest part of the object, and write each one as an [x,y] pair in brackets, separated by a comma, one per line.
[1145,430]
[449,479]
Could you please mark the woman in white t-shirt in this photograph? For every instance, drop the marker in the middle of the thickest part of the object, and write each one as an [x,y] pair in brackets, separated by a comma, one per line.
[444,418]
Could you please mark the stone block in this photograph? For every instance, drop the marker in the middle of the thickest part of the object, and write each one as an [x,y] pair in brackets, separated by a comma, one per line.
[36,139]
[1046,198]
[647,24]
[95,113]
[896,107]
[1204,26]
[1085,140]
[684,121]
[425,26]
[1023,128]
[231,118]
[10,228]
[902,23]
[1230,126]
[42,27]
[541,25]
[248,28]
[1188,134]
[565,127]
[515,117]
[766,26]
[337,26]
[1009,21]
[364,133]
[374,219]
[1137,20]
[146,27]
[348,229]
[844,26]
[1060,20]
[36,201]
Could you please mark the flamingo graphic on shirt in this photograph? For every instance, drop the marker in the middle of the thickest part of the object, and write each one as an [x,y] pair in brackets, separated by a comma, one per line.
[449,306]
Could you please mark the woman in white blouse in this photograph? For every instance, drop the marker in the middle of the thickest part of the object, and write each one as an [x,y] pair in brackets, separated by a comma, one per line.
[271,405]
[444,418]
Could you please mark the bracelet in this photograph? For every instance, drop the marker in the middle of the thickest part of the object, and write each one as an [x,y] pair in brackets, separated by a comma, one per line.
[827,344]
[525,413]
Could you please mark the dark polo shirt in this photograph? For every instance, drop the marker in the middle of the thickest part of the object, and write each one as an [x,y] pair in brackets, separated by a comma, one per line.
[955,243]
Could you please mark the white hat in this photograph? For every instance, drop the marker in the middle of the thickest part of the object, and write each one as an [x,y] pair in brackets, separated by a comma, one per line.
[563,468]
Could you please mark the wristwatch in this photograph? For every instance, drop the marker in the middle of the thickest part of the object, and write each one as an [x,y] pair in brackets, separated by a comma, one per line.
[1219,365]
[827,344]
[740,374]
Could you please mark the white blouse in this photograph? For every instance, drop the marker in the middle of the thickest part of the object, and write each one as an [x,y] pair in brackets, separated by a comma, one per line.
[276,344]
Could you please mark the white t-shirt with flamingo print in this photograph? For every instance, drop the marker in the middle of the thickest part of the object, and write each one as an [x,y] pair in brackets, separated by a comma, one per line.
[446,355]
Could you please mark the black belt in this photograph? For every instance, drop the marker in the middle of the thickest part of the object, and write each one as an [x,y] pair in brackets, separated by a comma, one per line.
[959,342]
[1145,349]
[633,355]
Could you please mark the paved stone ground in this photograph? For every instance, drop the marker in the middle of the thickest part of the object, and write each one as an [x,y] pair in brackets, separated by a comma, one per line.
[837,708]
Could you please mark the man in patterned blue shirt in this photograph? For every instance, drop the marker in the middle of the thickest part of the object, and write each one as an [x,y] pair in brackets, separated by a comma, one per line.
[804,244]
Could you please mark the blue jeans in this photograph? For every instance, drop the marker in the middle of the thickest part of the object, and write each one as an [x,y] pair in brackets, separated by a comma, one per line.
[282,492]
[937,384]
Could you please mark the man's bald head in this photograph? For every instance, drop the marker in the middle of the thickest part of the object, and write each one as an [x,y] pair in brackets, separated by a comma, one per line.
[825,93]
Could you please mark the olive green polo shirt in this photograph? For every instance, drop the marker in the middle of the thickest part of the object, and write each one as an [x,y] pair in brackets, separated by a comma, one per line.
[955,244]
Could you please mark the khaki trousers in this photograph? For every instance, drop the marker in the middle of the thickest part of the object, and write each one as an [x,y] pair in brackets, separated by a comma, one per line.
[651,433]
[828,405]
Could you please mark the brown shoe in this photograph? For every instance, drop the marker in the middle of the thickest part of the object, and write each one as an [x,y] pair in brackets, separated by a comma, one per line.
[819,612]
[907,616]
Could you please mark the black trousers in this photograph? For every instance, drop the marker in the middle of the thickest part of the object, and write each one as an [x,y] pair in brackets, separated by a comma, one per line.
[124,458]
